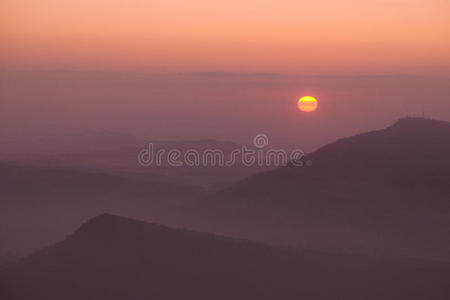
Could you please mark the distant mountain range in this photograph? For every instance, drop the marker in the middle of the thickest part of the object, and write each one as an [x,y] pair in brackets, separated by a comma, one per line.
[112,257]
[51,185]
[384,192]
[92,141]
[117,153]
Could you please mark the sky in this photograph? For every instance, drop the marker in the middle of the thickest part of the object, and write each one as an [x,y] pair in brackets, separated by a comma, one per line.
[222,106]
[284,36]
[226,70]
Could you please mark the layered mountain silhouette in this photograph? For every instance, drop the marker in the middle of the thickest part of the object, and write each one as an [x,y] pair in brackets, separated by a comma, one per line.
[383,192]
[111,257]
[39,205]
[48,186]
[117,153]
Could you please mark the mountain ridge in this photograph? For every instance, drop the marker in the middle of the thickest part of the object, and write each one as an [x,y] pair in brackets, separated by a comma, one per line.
[384,187]
[112,257]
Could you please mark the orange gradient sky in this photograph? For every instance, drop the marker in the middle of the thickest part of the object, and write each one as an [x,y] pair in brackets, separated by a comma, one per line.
[320,37]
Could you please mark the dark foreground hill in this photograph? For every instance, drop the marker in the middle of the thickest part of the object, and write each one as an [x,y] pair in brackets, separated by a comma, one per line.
[39,205]
[111,257]
[384,192]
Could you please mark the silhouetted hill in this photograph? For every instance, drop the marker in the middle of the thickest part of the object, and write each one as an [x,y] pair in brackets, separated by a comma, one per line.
[38,205]
[381,192]
[112,257]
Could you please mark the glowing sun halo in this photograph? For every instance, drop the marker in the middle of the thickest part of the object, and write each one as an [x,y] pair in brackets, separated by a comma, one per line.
[307,104]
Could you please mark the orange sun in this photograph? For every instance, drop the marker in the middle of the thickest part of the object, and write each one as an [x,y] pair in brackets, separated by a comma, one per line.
[307,104]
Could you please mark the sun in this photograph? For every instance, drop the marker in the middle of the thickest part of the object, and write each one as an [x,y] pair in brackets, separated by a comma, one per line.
[307,104]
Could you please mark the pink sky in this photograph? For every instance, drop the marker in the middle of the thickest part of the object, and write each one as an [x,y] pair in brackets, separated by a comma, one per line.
[287,36]
[99,43]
